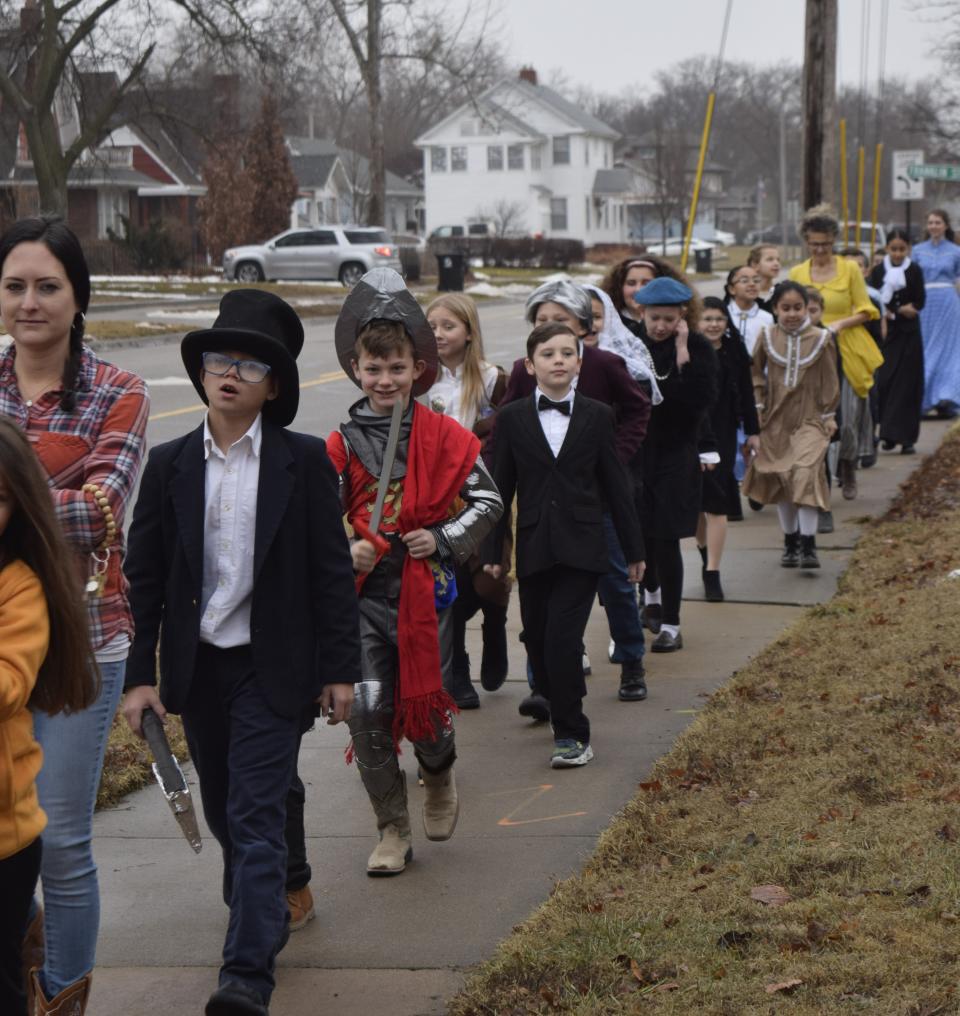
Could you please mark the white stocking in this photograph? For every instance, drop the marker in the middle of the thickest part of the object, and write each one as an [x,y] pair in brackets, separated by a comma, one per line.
[787,511]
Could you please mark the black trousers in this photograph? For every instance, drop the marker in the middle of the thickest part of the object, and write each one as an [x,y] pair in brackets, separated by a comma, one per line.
[18,878]
[664,571]
[555,607]
[465,606]
[245,756]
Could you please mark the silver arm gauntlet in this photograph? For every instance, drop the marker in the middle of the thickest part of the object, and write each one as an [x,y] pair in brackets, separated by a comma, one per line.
[462,535]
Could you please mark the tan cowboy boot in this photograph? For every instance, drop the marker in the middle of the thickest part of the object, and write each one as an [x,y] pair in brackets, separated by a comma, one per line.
[72,1001]
[394,851]
[441,807]
[32,954]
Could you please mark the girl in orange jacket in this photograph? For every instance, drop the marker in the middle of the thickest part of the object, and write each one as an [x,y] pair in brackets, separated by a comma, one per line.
[45,664]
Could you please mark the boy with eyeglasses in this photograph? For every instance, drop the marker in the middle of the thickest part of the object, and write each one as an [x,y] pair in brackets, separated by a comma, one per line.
[239,564]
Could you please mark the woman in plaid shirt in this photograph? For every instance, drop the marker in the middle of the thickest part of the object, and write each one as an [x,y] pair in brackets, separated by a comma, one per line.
[86,421]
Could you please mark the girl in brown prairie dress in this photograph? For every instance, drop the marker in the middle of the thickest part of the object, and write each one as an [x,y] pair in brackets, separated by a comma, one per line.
[797,389]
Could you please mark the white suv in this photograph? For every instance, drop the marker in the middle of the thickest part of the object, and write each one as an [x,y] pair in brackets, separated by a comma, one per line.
[327,252]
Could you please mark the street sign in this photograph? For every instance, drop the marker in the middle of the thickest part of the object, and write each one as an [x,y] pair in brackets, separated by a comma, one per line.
[906,186]
[935,171]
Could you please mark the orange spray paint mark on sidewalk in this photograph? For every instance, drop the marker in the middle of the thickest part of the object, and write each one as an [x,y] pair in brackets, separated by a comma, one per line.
[534,793]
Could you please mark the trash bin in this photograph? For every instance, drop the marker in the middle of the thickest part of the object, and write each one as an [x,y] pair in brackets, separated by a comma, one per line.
[451,270]
[703,260]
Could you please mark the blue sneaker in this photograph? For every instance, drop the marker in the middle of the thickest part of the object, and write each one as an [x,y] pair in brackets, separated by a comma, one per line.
[569,753]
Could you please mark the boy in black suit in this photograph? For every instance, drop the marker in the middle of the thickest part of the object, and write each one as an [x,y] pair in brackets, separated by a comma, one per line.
[556,450]
[239,563]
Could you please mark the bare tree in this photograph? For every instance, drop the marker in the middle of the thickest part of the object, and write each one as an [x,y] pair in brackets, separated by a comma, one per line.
[49,50]
[507,216]
[386,31]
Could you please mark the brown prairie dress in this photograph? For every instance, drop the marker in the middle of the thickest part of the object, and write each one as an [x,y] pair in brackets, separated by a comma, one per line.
[797,389]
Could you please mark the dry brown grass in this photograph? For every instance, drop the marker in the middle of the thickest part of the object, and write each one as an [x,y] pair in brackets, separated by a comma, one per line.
[126,766]
[829,767]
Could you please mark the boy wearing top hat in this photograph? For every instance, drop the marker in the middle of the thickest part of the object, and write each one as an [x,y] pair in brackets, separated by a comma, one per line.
[441,504]
[239,565]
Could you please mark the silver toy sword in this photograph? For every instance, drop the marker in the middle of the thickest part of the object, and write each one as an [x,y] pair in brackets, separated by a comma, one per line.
[371,530]
[171,779]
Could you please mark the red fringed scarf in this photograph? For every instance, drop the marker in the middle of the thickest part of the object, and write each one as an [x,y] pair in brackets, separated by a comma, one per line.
[439,459]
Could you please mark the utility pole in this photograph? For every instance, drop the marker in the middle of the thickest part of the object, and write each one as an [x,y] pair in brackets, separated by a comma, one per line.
[819,103]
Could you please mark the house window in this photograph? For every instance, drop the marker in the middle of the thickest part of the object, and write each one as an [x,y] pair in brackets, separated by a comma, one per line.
[535,157]
[561,151]
[606,156]
[586,151]
[458,158]
[494,156]
[438,160]
[586,211]
[558,213]
[606,216]
[514,156]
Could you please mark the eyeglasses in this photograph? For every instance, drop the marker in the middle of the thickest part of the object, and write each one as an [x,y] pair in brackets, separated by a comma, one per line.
[251,371]
[820,245]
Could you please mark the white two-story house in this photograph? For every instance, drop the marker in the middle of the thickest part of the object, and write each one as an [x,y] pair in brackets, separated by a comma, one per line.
[529,161]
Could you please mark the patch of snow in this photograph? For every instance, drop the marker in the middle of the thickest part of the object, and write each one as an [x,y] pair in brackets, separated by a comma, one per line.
[151,294]
[205,317]
[514,289]
[167,382]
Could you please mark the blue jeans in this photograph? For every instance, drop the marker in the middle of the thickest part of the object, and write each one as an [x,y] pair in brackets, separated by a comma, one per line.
[619,598]
[73,749]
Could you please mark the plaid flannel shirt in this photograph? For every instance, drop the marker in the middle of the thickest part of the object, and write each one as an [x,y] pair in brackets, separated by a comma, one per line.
[101,442]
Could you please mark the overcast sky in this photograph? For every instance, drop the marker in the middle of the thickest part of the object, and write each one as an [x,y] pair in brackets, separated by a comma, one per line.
[611,45]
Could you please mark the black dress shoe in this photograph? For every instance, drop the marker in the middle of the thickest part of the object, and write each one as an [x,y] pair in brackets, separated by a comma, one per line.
[234,998]
[908,449]
[868,461]
[888,446]
[667,643]
[756,506]
[494,665]
[633,687]
[462,690]
[536,707]
[651,617]
[712,590]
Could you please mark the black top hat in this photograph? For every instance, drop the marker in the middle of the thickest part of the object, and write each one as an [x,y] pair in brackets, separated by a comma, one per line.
[268,329]
[382,295]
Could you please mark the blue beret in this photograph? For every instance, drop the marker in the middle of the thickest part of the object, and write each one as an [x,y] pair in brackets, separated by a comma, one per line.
[663,292]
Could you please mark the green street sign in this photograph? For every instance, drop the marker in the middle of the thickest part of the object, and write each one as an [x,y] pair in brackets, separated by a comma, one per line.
[933,171]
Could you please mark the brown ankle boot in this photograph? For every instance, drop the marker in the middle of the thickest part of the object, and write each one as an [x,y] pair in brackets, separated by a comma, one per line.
[847,471]
[441,807]
[32,955]
[72,1001]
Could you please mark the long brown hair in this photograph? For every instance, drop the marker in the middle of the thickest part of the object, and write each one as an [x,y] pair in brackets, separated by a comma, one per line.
[613,281]
[68,680]
[465,311]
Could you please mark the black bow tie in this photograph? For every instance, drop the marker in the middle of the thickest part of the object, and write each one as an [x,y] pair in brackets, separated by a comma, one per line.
[560,407]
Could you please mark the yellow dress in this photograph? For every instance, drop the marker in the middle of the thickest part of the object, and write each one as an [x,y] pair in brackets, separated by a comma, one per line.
[796,389]
[843,295]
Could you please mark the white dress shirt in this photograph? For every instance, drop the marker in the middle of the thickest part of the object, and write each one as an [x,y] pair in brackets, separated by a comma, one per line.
[554,422]
[229,530]
[445,395]
[749,322]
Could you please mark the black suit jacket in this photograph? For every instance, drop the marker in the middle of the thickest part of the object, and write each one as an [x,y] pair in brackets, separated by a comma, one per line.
[304,627]
[560,501]
[604,377]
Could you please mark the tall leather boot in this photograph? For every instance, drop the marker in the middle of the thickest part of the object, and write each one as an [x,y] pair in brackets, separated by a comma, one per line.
[72,1001]
[441,806]
[395,849]
[32,955]
[847,474]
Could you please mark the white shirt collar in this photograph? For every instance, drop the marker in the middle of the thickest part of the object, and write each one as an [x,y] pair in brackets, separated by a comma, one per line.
[566,398]
[447,372]
[253,437]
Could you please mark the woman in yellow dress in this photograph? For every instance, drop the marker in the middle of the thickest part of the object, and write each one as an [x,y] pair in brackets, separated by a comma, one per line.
[846,307]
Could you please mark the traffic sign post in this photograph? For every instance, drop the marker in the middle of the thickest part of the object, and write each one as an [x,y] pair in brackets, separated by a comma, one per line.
[907,187]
